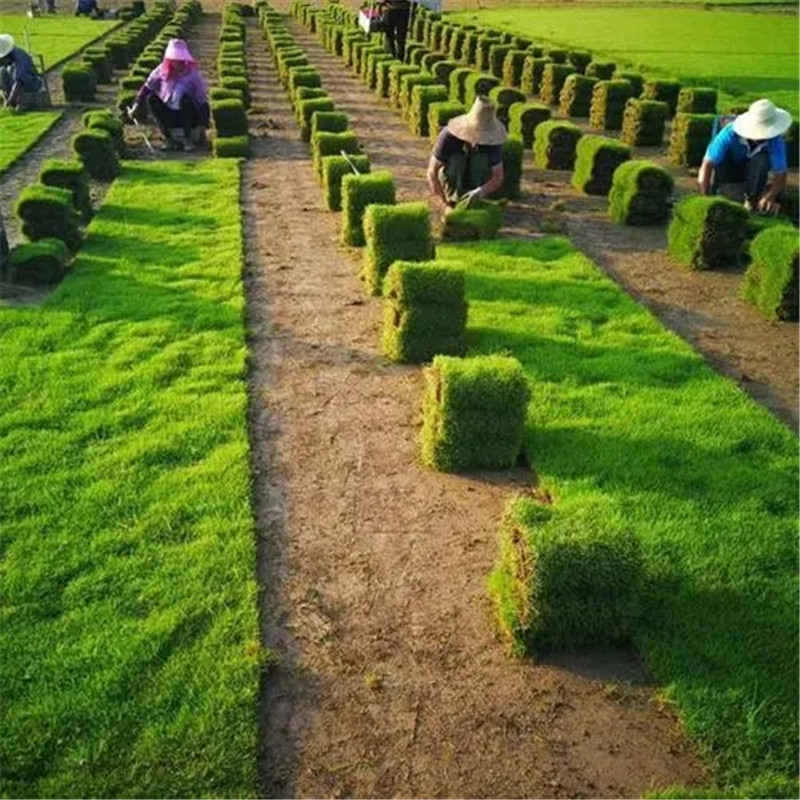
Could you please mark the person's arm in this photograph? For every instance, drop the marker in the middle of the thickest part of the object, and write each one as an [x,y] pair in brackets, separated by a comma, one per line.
[768,201]
[148,87]
[491,186]
[704,176]
[434,184]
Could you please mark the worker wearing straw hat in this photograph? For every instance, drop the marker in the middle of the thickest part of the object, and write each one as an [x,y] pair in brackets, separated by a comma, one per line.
[17,73]
[467,159]
[746,151]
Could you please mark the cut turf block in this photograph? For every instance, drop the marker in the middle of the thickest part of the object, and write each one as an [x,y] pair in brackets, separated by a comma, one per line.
[513,151]
[457,83]
[707,233]
[440,113]
[602,70]
[564,580]
[596,158]
[237,84]
[334,168]
[532,72]
[503,97]
[324,144]
[394,233]
[482,219]
[422,97]
[635,79]
[69,175]
[424,312]
[359,191]
[80,83]
[47,212]
[608,104]
[643,122]
[664,90]
[305,109]
[770,282]
[232,146]
[330,121]
[640,193]
[580,59]
[41,262]
[575,98]
[95,149]
[106,120]
[512,67]
[553,78]
[554,144]
[697,100]
[689,138]
[473,413]
[478,83]
[524,118]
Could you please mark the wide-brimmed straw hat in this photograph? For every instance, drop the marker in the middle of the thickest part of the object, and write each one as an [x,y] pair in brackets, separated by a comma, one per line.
[479,125]
[763,120]
[6,44]
[178,50]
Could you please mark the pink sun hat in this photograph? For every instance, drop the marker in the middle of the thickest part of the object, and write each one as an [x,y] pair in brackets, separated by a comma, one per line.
[178,50]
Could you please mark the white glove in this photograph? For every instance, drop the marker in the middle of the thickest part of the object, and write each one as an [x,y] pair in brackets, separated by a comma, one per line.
[472,195]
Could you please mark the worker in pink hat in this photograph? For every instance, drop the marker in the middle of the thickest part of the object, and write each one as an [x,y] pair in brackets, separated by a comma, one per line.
[175,95]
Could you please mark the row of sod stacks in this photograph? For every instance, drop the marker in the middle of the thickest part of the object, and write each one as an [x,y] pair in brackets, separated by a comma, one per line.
[640,193]
[424,312]
[596,159]
[229,107]
[770,282]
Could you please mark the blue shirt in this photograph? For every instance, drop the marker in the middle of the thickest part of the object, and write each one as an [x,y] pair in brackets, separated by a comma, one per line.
[22,68]
[727,144]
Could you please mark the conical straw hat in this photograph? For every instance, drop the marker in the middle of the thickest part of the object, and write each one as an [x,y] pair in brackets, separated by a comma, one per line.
[479,125]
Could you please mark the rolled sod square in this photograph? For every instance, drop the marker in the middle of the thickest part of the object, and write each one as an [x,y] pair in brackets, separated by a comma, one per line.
[324,144]
[359,191]
[697,100]
[422,97]
[40,262]
[524,118]
[431,59]
[305,108]
[334,168]
[48,212]
[497,57]
[232,146]
[394,233]
[107,120]
[330,121]
[396,73]
[663,90]
[596,159]
[707,233]
[99,61]
[513,151]
[580,59]
[69,175]
[442,70]
[119,53]
[382,77]
[407,85]
[473,413]
[95,149]
[770,282]
[635,79]
[554,144]
[608,104]
[440,113]
[218,93]
[424,312]
[503,97]
[373,64]
[689,139]
[532,72]
[553,78]
[130,83]
[480,220]
[563,579]
[478,83]
[602,70]
[640,193]
[512,67]
[239,84]
[457,83]
[643,122]
[575,99]
[309,93]
[80,83]
[229,118]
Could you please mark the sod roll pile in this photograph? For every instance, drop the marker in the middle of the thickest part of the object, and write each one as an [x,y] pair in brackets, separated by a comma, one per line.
[512,67]
[232,146]
[554,144]
[608,104]
[524,118]
[359,191]
[440,113]
[306,109]
[553,78]
[697,100]
[503,97]
[106,120]
[95,149]
[334,168]
[394,233]
[473,413]
[424,312]
[770,282]
[643,122]
[324,143]
[664,90]
[69,175]
[47,212]
[576,95]
[482,219]
[602,70]
[532,72]
[689,138]
[596,159]
[640,193]
[422,97]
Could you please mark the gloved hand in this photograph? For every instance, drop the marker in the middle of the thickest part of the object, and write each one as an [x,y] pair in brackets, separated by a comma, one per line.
[472,195]
[133,111]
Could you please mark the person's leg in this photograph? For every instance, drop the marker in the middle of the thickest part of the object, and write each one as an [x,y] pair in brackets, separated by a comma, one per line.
[164,117]
[389,33]
[756,174]
[6,81]
[401,31]
[186,116]
[727,172]
[453,177]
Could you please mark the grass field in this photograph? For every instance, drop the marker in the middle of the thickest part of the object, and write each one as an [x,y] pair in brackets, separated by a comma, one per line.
[55,38]
[20,132]
[129,642]
[628,426]
[743,54]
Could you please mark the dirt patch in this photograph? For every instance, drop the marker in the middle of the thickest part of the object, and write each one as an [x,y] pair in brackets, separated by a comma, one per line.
[390,680]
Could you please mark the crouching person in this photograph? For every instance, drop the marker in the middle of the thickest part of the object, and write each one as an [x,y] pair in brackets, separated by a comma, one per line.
[18,76]
[176,97]
[467,159]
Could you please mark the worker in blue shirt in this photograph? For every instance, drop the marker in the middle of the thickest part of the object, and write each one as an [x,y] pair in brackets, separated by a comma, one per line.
[746,151]
[88,8]
[17,72]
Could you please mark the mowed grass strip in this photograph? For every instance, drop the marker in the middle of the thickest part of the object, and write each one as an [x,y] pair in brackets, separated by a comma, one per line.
[55,37]
[129,642]
[676,42]
[629,427]
[20,132]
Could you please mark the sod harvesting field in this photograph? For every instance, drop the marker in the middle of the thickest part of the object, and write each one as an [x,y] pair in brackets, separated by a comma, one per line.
[129,639]
[54,38]
[745,55]
[628,427]
[20,132]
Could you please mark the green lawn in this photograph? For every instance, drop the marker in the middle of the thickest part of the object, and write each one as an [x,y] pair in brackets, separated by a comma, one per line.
[129,638]
[629,427]
[55,38]
[745,55]
[20,132]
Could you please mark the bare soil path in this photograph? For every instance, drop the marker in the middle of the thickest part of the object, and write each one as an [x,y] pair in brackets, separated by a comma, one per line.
[390,680]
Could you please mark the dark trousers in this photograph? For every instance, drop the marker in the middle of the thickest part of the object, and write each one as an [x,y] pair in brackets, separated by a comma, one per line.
[187,116]
[753,173]
[396,31]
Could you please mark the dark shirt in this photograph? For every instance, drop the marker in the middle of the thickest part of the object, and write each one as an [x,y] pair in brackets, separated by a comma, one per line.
[86,6]
[20,65]
[448,145]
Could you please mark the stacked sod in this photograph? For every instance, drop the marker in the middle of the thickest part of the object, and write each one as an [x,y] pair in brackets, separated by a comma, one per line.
[324,143]
[608,104]
[440,113]
[770,282]
[663,90]
[394,233]
[503,97]
[95,149]
[640,193]
[424,312]
[689,138]
[458,82]
[575,98]
[643,122]
[524,118]
[553,77]
[554,144]
[328,121]
[476,84]
[106,120]
[602,70]
[69,175]
[635,79]
[697,100]
[564,580]
[473,413]
[41,262]
[307,108]
[513,151]
[79,82]
[707,233]
[422,98]
[513,66]
[47,212]
[359,191]
[532,72]
[481,219]
[596,159]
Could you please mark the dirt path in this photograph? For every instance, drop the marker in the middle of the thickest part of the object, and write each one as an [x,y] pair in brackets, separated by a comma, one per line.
[390,680]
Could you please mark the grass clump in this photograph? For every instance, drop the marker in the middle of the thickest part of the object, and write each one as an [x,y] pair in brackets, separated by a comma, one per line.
[79,82]
[306,109]
[575,98]
[770,282]
[596,159]
[473,413]
[532,74]
[640,193]
[394,233]
[608,104]
[95,149]
[565,579]
[424,312]
[524,118]
[334,168]
[232,146]
[707,233]
[482,219]
[553,77]
[689,138]
[229,118]
[359,191]
[643,122]
[47,212]
[422,98]
[41,262]
[69,175]
[324,144]
[697,100]
[554,144]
